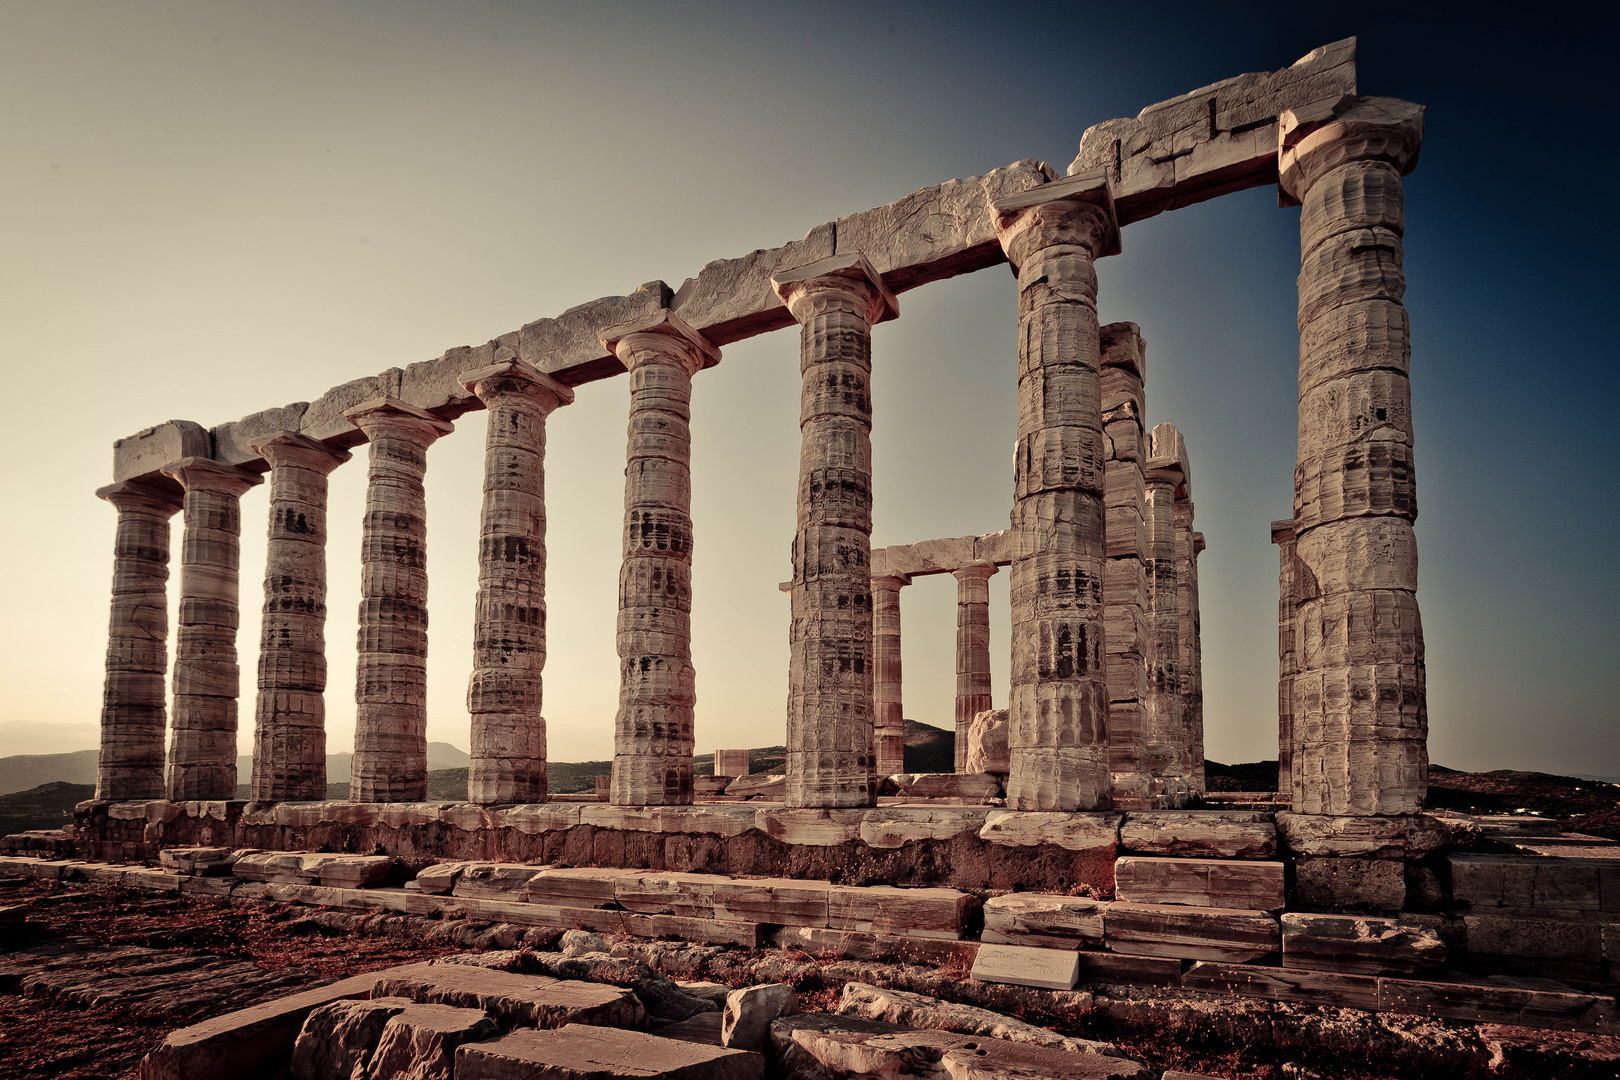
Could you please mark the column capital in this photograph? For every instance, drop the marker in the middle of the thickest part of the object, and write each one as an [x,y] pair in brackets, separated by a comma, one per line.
[385,413]
[1314,139]
[1163,472]
[512,377]
[1283,532]
[206,474]
[130,495]
[1198,543]
[291,448]
[1077,211]
[894,582]
[851,273]
[665,335]
[985,570]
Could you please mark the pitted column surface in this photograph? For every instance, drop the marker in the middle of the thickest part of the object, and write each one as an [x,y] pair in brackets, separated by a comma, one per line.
[1188,545]
[972,650]
[1057,732]
[653,736]
[207,680]
[509,620]
[1282,534]
[289,736]
[1164,732]
[133,713]
[390,729]
[1360,715]
[831,757]
[889,727]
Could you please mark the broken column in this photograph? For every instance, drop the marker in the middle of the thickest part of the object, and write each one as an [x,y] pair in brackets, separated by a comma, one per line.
[1125,590]
[390,725]
[289,732]
[207,680]
[1058,723]
[652,737]
[509,618]
[972,650]
[133,712]
[889,727]
[1282,534]
[1360,721]
[831,760]
[1164,729]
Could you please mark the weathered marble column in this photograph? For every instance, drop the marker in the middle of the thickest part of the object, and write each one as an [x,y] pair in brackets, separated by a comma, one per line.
[972,650]
[509,618]
[390,727]
[1282,534]
[1057,733]
[207,681]
[1360,722]
[652,736]
[133,713]
[831,759]
[1164,730]
[1188,546]
[289,736]
[889,729]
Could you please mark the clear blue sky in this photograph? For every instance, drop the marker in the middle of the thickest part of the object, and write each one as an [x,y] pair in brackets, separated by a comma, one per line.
[213,209]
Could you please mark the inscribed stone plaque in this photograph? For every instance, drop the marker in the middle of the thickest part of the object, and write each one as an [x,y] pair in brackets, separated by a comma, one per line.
[1051,969]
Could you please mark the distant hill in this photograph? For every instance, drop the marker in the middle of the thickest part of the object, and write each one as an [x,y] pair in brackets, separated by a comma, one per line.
[48,806]
[26,771]
[41,737]
[929,749]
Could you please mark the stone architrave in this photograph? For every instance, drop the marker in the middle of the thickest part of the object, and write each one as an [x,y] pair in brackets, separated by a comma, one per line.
[831,760]
[1282,534]
[390,728]
[889,727]
[1360,717]
[207,681]
[133,713]
[1164,730]
[289,734]
[1057,732]
[652,737]
[509,621]
[972,650]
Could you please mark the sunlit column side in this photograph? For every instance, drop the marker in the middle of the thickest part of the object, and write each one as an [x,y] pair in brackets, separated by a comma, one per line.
[972,650]
[1282,534]
[889,728]
[390,730]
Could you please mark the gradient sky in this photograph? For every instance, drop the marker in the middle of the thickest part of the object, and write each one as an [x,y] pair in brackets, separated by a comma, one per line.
[208,210]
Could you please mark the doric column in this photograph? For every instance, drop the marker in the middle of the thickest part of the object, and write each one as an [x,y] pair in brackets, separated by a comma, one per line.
[1282,534]
[889,728]
[1057,732]
[390,724]
[1192,675]
[831,760]
[130,765]
[207,681]
[652,735]
[289,737]
[1360,714]
[972,650]
[509,619]
[1164,729]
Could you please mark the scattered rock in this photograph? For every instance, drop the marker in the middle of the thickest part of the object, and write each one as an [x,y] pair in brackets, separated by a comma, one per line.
[918,1010]
[987,743]
[746,1024]
[337,1039]
[578,942]
[420,1042]
[580,1052]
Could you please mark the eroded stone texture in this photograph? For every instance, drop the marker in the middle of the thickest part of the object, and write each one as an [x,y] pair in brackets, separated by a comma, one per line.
[207,681]
[889,725]
[1164,743]
[1359,714]
[830,757]
[289,735]
[987,744]
[1058,719]
[731,763]
[652,737]
[1188,546]
[133,712]
[509,626]
[972,650]
[390,732]
[1282,534]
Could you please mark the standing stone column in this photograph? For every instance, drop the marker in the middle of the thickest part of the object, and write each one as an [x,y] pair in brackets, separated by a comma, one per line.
[133,714]
[652,737]
[1282,534]
[831,759]
[1057,733]
[1164,734]
[390,726]
[1360,724]
[289,737]
[207,681]
[509,619]
[889,734]
[1192,676]
[972,650]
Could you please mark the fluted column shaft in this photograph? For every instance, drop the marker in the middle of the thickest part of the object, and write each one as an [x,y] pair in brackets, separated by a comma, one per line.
[504,694]
[1282,534]
[1164,736]
[972,650]
[1360,717]
[133,713]
[1188,638]
[390,729]
[889,729]
[289,738]
[1057,731]
[207,680]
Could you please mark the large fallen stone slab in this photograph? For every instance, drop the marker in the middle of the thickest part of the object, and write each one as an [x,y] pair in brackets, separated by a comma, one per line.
[1284,984]
[885,909]
[336,1041]
[1190,933]
[921,1011]
[759,785]
[661,995]
[494,881]
[963,785]
[420,1042]
[749,1013]
[1256,886]
[580,1052]
[1215,834]
[1043,919]
[1021,965]
[515,1000]
[1358,944]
